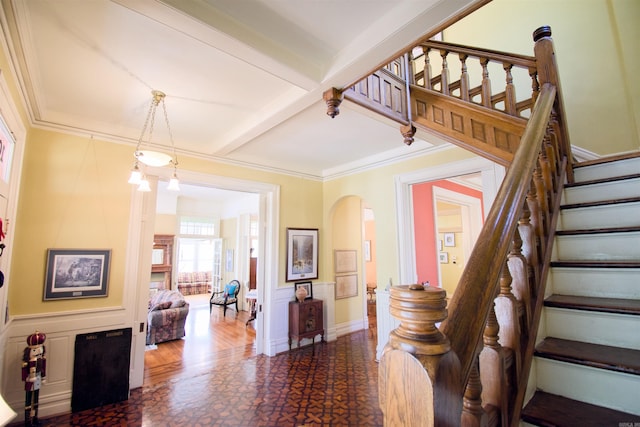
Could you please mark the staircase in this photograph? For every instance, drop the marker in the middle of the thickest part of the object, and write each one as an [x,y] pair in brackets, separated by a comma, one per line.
[587,360]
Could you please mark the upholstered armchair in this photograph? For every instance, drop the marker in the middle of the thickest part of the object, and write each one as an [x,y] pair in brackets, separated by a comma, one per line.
[228,296]
[167,316]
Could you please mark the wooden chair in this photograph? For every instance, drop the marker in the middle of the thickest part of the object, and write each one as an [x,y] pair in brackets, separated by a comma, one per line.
[226,297]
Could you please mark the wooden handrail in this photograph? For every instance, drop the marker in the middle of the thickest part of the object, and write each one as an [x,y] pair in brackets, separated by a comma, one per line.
[435,376]
[470,305]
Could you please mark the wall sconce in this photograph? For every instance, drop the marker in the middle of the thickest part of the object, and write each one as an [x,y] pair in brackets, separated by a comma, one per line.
[151,157]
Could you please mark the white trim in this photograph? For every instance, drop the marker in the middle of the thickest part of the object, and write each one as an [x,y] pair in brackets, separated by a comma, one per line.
[404,204]
[267,271]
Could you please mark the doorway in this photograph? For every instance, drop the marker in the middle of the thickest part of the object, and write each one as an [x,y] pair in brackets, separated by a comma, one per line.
[141,232]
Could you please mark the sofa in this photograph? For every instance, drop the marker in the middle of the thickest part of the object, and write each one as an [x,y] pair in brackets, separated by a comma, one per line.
[193,283]
[167,316]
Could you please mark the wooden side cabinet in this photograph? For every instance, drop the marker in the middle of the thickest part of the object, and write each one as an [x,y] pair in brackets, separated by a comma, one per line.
[306,320]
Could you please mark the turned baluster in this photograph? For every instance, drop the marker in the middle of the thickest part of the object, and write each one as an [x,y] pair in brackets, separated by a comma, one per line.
[464,78]
[486,83]
[536,218]
[519,270]
[507,313]
[529,248]
[444,76]
[547,175]
[548,147]
[427,68]
[493,371]
[472,413]
[419,377]
[510,91]
[541,194]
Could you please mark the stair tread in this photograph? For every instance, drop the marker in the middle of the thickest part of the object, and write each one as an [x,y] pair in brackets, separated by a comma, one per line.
[600,203]
[546,409]
[595,264]
[607,305]
[602,180]
[617,359]
[603,230]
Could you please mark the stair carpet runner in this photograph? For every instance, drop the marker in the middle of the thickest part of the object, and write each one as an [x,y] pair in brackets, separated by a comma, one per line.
[587,366]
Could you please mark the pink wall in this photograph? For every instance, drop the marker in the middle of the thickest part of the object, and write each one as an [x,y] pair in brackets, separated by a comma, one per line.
[424,222]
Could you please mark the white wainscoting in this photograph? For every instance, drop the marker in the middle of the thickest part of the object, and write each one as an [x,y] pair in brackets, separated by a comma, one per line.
[386,322]
[279,341]
[61,330]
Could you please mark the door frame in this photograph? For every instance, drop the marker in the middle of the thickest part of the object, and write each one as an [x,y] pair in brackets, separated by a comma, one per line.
[140,244]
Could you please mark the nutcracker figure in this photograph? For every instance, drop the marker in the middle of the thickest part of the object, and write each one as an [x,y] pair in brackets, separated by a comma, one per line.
[34,372]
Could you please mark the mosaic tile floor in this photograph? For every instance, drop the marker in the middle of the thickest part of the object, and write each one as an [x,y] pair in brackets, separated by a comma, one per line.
[329,384]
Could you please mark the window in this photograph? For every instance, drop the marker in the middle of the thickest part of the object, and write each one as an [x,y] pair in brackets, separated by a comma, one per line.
[192,226]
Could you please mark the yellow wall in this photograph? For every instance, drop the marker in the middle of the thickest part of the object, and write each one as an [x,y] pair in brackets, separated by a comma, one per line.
[74,194]
[346,234]
[596,44]
[166,224]
[228,233]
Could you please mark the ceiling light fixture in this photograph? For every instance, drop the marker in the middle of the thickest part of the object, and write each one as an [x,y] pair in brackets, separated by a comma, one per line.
[150,157]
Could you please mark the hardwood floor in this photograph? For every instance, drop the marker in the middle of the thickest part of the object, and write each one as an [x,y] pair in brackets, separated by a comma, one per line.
[213,377]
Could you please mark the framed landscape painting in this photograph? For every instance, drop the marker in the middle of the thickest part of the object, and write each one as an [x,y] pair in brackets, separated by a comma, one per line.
[302,254]
[76,273]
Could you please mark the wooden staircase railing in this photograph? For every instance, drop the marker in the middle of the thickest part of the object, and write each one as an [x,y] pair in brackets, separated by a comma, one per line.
[468,363]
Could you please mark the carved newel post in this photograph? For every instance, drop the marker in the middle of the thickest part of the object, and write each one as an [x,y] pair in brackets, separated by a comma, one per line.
[419,376]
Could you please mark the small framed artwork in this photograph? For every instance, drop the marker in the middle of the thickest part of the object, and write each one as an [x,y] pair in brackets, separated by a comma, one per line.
[449,239]
[345,261]
[346,286]
[308,286]
[76,273]
[302,254]
[443,257]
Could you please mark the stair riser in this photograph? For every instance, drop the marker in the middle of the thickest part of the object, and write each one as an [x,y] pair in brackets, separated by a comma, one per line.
[599,247]
[596,282]
[620,215]
[607,170]
[597,328]
[596,386]
[604,191]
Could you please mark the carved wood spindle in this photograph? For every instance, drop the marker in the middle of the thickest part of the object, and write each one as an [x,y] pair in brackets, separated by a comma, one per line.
[333,98]
[548,147]
[493,370]
[547,176]
[519,270]
[529,248]
[427,68]
[464,78]
[419,377]
[472,413]
[486,83]
[507,313]
[536,218]
[510,91]
[541,194]
[444,77]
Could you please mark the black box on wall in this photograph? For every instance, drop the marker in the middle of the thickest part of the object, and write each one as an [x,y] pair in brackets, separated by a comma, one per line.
[101,369]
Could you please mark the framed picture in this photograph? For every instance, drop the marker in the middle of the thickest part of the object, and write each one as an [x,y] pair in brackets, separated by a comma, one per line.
[308,286]
[367,250]
[346,286]
[443,257]
[345,261]
[76,273]
[302,254]
[449,239]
